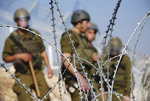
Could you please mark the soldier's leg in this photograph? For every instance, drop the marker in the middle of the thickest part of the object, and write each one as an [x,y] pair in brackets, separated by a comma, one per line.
[42,85]
[97,91]
[73,89]
[115,98]
[21,92]
[76,96]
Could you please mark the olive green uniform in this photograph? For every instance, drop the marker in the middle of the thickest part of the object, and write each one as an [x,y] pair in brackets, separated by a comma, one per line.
[81,47]
[33,45]
[122,80]
[92,70]
[85,52]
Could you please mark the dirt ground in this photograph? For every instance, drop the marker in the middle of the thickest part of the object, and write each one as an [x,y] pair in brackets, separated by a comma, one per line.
[6,84]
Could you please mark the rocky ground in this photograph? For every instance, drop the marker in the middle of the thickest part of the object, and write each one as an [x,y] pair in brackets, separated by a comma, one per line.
[7,94]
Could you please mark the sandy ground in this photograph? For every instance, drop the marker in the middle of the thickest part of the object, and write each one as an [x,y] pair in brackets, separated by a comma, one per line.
[6,84]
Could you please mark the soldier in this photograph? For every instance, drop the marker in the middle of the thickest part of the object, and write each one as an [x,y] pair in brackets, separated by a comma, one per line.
[90,35]
[20,48]
[80,20]
[122,80]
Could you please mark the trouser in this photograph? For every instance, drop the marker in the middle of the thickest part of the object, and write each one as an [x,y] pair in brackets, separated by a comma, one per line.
[96,84]
[73,89]
[118,98]
[96,88]
[26,79]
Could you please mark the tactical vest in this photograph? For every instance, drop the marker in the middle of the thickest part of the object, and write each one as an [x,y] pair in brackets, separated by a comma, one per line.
[29,43]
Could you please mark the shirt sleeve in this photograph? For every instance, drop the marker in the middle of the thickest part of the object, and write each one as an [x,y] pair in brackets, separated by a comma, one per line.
[40,42]
[7,51]
[65,44]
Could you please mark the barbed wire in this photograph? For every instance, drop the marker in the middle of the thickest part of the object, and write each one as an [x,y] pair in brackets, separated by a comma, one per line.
[2,25]
[115,71]
[100,63]
[54,31]
[45,97]
[110,27]
[141,75]
[132,58]
[74,49]
[116,93]
[46,40]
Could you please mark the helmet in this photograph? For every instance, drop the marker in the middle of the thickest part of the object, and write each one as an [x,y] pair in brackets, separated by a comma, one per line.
[116,44]
[21,13]
[78,16]
[93,26]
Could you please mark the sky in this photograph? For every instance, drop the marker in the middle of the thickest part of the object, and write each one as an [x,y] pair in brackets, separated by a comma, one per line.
[129,15]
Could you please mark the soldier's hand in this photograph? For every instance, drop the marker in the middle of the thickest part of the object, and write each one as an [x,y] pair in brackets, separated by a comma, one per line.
[84,83]
[105,95]
[24,56]
[95,57]
[126,98]
[50,73]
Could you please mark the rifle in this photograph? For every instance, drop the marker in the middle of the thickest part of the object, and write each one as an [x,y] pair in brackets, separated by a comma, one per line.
[30,65]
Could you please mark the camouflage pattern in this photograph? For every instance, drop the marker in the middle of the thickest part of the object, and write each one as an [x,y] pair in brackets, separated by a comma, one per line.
[33,45]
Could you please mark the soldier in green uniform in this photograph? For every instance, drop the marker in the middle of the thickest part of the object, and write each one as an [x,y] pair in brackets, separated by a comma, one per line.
[20,48]
[122,80]
[90,35]
[80,20]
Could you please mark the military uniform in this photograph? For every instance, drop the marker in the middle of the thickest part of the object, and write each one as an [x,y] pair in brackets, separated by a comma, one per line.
[81,48]
[33,45]
[85,51]
[122,80]
[92,71]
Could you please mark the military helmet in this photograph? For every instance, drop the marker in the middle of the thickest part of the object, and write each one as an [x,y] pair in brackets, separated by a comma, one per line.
[93,26]
[21,13]
[78,16]
[116,44]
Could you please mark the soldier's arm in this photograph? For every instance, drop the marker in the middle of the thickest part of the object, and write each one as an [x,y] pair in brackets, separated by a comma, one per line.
[22,56]
[46,60]
[70,69]
[9,56]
